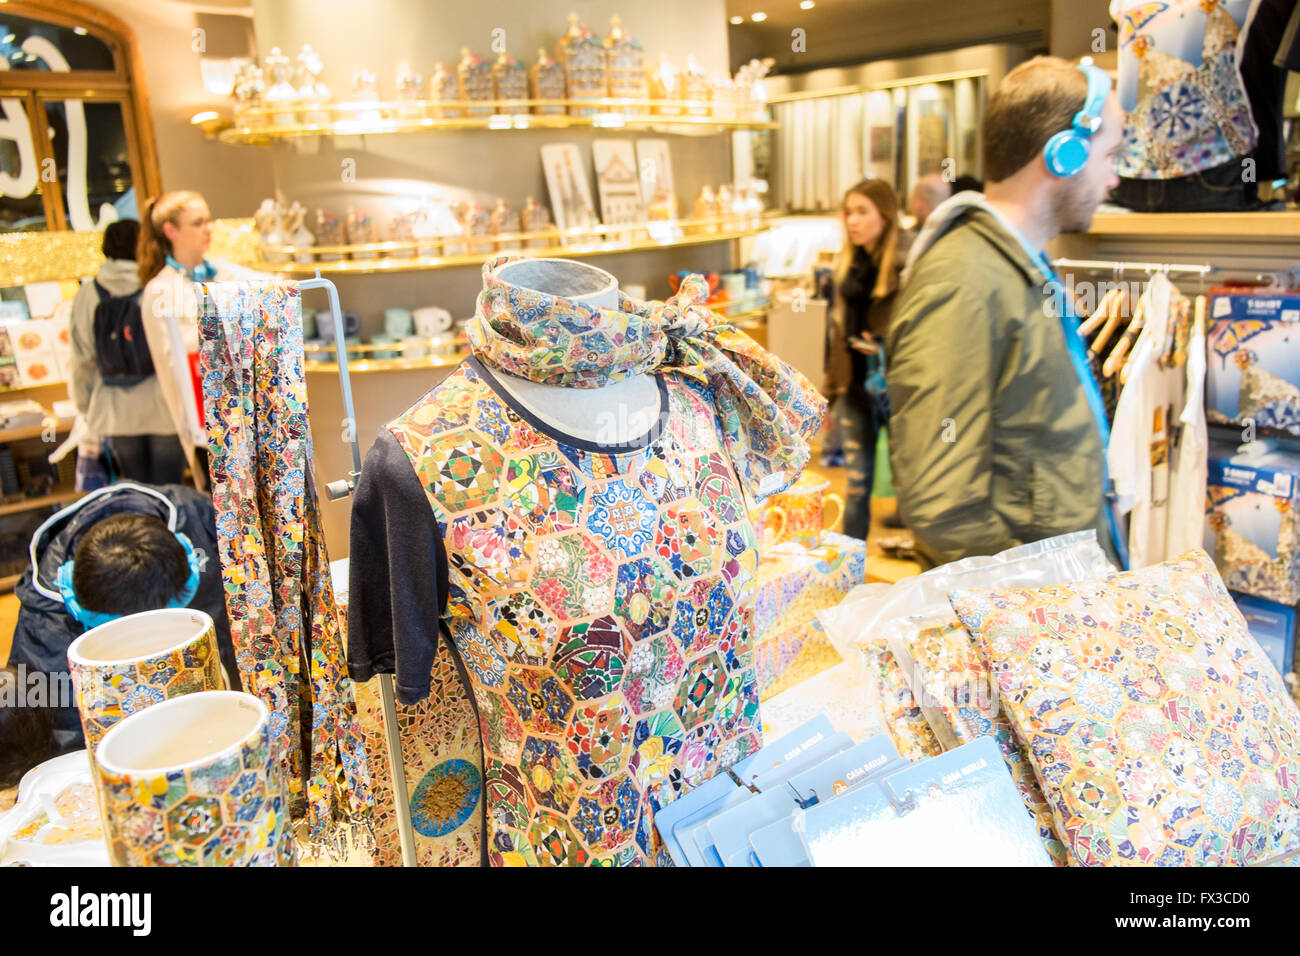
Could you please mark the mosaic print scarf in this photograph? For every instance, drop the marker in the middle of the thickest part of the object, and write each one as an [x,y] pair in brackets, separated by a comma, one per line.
[284,622]
[767,409]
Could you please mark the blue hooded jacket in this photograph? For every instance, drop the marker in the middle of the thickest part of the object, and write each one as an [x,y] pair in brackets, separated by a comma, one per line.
[45,628]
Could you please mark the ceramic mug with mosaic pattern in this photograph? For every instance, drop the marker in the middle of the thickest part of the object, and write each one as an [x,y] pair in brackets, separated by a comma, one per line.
[194,781]
[141,660]
[802,510]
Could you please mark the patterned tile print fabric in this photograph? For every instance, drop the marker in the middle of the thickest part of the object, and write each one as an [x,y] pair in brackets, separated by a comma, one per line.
[104,694]
[961,705]
[444,770]
[794,582]
[229,811]
[602,606]
[899,711]
[1159,731]
[767,410]
[1181,85]
[283,619]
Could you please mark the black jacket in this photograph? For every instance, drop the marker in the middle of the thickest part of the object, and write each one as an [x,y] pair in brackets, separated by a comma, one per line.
[45,629]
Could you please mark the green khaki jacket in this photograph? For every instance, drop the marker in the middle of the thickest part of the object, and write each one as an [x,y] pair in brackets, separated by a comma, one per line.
[992,441]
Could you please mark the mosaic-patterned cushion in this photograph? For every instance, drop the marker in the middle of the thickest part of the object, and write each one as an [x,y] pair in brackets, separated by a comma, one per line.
[899,711]
[960,705]
[1159,731]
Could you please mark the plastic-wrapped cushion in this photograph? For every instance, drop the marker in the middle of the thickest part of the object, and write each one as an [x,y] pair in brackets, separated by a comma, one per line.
[1157,727]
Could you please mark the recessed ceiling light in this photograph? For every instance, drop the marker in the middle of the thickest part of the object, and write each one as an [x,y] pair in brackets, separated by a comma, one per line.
[758,17]
[737,20]
[807,4]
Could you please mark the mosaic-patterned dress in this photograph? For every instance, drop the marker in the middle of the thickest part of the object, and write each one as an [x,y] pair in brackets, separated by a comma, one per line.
[600,601]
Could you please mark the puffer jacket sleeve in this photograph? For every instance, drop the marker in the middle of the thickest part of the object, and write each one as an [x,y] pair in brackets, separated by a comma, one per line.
[943,372]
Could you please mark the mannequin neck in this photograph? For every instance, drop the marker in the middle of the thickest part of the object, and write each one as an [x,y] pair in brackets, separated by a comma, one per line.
[621,413]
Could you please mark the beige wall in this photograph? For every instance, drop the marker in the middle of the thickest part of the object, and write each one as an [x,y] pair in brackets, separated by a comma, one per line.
[231,177]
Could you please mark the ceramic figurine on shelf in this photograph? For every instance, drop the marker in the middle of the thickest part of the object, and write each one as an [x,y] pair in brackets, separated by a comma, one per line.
[280,95]
[509,82]
[365,90]
[722,93]
[663,88]
[536,218]
[475,78]
[410,91]
[547,83]
[506,221]
[751,93]
[625,66]
[268,219]
[425,229]
[706,207]
[726,203]
[445,89]
[329,232]
[582,55]
[311,91]
[693,85]
[248,89]
[297,235]
[477,224]
[662,206]
[401,228]
[361,230]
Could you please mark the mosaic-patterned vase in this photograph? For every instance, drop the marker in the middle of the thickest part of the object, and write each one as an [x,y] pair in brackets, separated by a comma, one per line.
[193,782]
[138,661]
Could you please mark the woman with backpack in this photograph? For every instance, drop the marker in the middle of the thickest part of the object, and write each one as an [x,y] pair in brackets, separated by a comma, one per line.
[174,237]
[107,382]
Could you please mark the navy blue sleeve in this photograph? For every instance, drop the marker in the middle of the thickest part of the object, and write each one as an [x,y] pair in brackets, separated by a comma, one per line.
[397,574]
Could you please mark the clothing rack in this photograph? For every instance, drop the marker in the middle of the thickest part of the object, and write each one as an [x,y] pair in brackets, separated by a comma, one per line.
[336,490]
[1169,268]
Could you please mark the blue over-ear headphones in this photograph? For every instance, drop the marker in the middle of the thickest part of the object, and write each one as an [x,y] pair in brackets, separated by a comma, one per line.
[1066,153]
[205,271]
[95,618]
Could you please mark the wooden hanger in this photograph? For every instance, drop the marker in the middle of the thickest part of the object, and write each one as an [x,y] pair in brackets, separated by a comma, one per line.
[1112,323]
[1099,314]
[1115,361]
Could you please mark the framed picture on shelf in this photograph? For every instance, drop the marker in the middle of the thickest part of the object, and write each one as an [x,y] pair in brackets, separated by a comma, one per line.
[655,170]
[566,181]
[617,183]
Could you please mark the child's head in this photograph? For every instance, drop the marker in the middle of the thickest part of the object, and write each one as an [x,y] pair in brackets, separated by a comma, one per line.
[128,563]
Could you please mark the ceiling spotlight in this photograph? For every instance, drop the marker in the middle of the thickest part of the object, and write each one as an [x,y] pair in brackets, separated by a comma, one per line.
[758,17]
[737,20]
[807,4]
[79,31]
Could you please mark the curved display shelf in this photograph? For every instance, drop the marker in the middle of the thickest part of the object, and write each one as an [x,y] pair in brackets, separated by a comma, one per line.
[389,364]
[722,231]
[264,125]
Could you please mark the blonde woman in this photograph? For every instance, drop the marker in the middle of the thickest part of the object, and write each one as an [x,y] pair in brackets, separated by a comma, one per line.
[866,282]
[175,233]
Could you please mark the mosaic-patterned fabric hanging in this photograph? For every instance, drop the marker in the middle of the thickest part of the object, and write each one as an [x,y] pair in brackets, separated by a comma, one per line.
[283,619]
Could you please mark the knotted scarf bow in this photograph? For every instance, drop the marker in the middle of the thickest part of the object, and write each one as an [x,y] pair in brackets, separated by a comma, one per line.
[767,409]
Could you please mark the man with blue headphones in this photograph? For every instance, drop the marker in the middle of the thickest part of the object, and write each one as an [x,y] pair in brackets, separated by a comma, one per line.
[999,432]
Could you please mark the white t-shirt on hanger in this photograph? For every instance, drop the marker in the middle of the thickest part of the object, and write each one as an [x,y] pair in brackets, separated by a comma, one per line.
[1141,442]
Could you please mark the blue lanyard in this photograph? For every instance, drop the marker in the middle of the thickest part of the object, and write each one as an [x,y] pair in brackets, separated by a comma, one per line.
[1091,388]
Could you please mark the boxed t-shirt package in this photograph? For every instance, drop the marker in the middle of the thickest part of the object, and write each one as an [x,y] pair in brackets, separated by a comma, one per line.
[1253,374]
[1252,525]
[1272,625]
